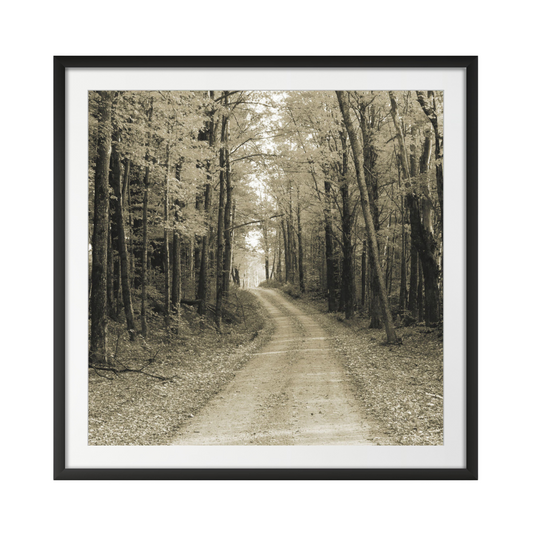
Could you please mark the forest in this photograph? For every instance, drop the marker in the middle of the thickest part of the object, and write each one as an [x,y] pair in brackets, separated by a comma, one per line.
[335,194]
[205,205]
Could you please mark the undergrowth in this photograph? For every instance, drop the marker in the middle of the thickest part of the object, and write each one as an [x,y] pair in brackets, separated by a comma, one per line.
[182,369]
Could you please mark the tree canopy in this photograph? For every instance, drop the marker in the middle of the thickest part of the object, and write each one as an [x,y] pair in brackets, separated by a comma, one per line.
[193,193]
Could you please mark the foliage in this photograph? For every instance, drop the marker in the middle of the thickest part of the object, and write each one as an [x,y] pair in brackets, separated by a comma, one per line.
[292,290]
[291,215]
[270,284]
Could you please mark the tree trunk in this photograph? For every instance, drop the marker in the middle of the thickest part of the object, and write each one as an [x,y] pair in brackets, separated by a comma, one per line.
[429,107]
[363,274]
[403,266]
[348,272]
[300,243]
[228,250]
[126,199]
[203,281]
[176,269]
[413,215]
[390,257]
[371,234]
[370,156]
[228,209]
[204,256]
[290,239]
[420,295]
[232,233]
[144,263]
[98,347]
[176,251]
[119,189]
[413,281]
[166,245]
[110,269]
[176,273]
[421,225]
[118,288]
[354,261]
[374,303]
[331,273]
[265,240]
[220,230]
[284,226]
[278,268]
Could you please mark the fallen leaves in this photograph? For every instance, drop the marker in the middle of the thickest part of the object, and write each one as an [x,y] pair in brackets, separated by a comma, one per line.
[135,410]
[400,386]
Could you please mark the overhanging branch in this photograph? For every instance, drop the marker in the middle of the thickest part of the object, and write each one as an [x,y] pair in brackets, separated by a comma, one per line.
[255,222]
[254,155]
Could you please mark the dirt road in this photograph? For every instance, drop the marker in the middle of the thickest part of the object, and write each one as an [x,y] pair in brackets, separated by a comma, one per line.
[293,392]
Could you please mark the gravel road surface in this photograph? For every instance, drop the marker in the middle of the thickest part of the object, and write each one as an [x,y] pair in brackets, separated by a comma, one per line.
[293,392]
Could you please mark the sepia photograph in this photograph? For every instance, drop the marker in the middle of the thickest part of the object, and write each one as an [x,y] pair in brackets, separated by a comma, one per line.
[266,268]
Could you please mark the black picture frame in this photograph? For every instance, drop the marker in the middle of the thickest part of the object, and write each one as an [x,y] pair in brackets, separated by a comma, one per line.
[470,472]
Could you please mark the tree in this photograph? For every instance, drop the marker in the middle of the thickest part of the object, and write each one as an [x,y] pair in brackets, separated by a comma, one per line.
[98,348]
[421,220]
[428,102]
[330,257]
[371,234]
[166,245]
[119,186]
[290,199]
[146,190]
[228,207]
[368,122]
[348,268]
[301,274]
[208,133]
[221,244]
[176,246]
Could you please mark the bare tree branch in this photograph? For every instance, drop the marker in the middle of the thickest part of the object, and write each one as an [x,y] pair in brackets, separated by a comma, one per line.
[255,222]
[254,155]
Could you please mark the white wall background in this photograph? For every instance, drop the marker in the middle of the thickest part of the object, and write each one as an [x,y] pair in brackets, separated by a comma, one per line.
[35,31]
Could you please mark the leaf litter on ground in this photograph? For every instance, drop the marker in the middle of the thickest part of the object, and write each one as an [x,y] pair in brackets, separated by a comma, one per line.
[399,386]
[134,409]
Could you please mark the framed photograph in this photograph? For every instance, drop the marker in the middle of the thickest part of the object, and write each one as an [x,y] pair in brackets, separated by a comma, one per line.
[265,268]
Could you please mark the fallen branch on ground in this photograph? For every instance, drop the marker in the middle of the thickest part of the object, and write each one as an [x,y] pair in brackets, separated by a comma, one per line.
[101,375]
[134,370]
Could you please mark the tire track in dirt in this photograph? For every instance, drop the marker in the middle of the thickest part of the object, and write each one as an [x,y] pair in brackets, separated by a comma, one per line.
[293,392]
